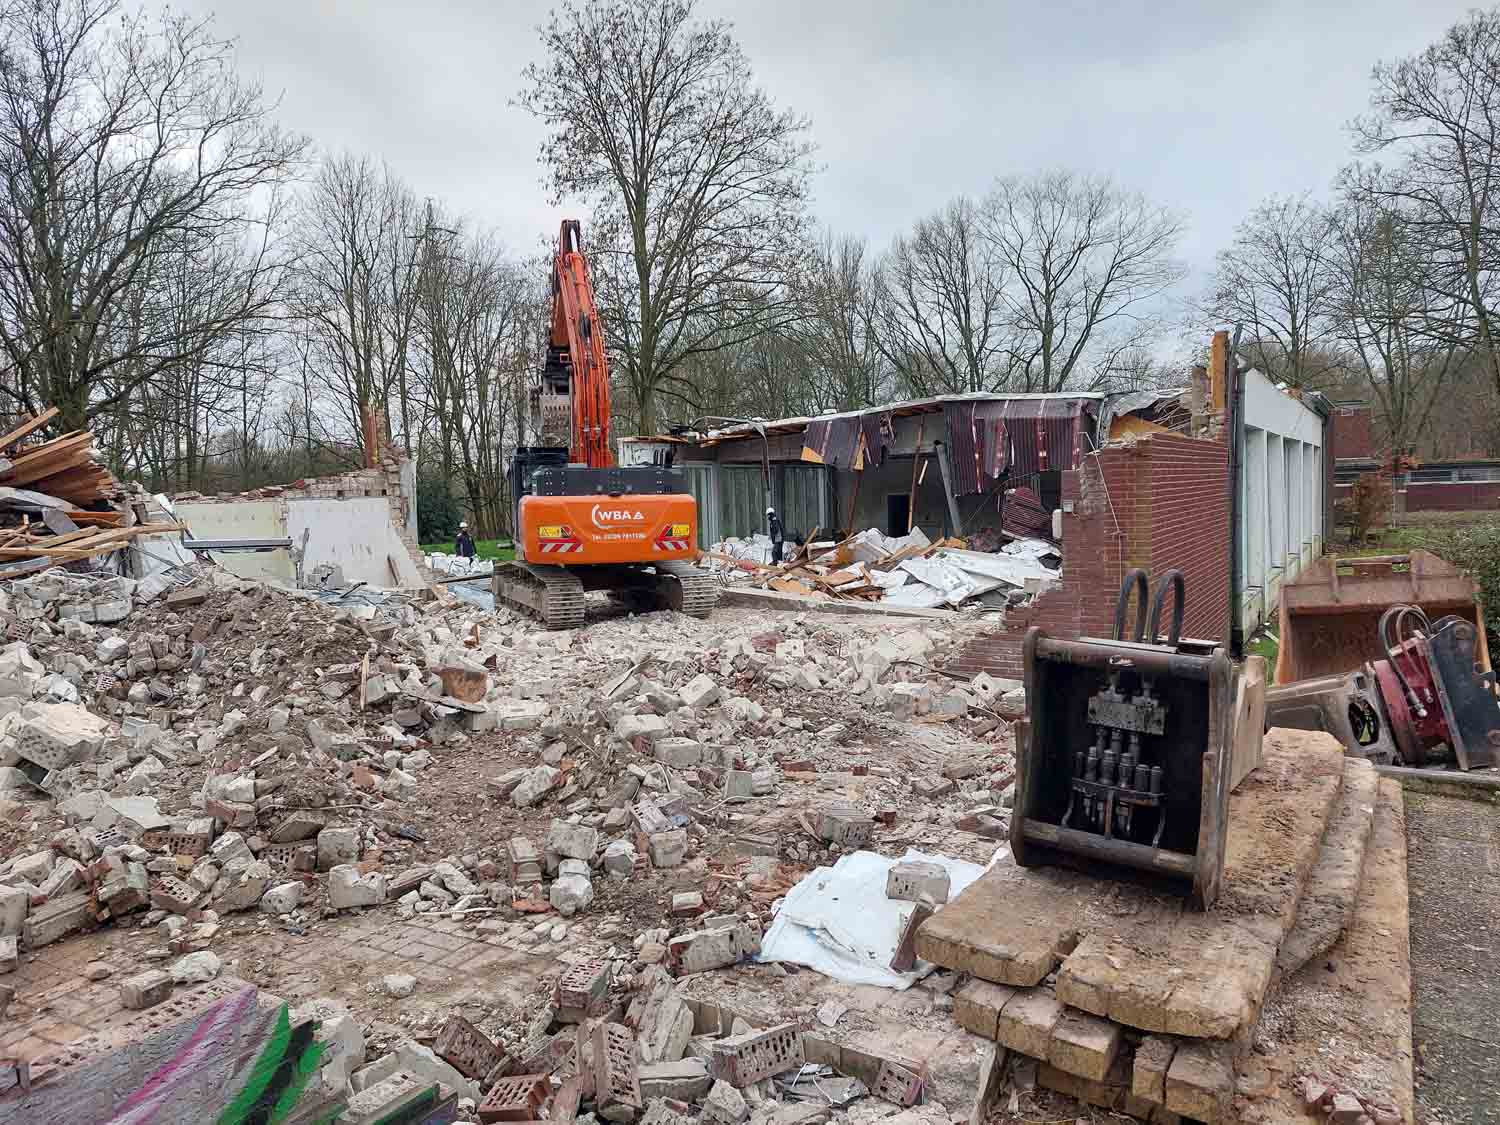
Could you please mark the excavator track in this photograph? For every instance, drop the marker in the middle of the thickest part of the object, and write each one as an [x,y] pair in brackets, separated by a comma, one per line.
[551,594]
[685,588]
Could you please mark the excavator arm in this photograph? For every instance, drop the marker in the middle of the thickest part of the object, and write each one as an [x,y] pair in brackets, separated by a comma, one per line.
[577,334]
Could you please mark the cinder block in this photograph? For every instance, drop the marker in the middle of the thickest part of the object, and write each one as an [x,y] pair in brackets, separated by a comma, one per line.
[1200,1081]
[466,1048]
[900,1081]
[746,1059]
[616,1079]
[56,919]
[145,990]
[174,895]
[915,880]
[579,989]
[844,825]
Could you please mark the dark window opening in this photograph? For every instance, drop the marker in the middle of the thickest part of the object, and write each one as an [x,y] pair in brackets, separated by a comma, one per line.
[897,513]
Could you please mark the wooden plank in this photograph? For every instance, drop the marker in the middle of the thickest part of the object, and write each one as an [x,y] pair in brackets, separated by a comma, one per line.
[95,519]
[28,427]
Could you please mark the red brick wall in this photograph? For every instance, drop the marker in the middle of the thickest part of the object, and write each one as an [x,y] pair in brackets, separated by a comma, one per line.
[1354,432]
[1159,503]
[1463,496]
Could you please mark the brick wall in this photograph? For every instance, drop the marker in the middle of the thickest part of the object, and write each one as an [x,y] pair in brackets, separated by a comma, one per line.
[1464,496]
[1354,433]
[1159,503]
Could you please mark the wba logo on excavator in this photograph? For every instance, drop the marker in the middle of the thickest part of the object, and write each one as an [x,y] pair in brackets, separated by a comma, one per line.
[606,518]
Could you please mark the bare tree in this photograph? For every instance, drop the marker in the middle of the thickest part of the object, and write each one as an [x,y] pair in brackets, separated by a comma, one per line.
[941,317]
[123,140]
[1086,261]
[1274,281]
[654,119]
[1402,338]
[841,360]
[1438,112]
[359,267]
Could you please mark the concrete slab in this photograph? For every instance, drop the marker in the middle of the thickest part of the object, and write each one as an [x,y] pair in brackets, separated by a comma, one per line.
[1346,1019]
[1327,904]
[1180,972]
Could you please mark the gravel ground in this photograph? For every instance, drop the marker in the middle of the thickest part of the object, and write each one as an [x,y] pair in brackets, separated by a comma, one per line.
[1453,868]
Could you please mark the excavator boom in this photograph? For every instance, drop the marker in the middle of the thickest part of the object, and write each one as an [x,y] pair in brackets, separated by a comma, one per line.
[582,522]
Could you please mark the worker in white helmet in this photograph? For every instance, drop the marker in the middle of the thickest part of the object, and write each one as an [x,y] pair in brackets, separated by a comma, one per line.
[463,546]
[778,536]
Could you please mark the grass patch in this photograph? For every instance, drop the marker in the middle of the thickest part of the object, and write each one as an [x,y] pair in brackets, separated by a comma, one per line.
[1265,644]
[500,550]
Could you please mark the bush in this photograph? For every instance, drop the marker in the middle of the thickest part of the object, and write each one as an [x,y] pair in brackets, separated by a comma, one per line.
[438,512]
[1475,549]
[1367,506]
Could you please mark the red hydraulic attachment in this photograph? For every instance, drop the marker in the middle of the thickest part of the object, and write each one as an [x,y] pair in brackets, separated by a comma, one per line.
[1427,691]
[576,331]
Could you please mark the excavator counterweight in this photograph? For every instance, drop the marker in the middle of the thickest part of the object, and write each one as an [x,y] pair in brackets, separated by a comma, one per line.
[582,522]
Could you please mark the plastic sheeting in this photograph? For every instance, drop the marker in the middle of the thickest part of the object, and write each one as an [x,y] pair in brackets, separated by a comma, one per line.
[838,921]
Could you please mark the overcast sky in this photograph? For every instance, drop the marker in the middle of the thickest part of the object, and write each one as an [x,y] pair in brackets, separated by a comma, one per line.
[1206,107]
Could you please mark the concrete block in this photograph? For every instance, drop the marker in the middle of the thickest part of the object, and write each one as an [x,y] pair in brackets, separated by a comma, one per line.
[742,1060]
[686,1080]
[570,894]
[1153,1058]
[347,889]
[300,824]
[575,841]
[679,753]
[282,899]
[649,727]
[145,990]
[337,846]
[57,918]
[699,692]
[10,957]
[725,1104]
[1084,1045]
[977,1005]
[668,849]
[1025,1024]
[916,880]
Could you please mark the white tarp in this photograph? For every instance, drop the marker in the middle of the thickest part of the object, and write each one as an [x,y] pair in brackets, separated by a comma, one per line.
[838,921]
[1013,570]
[457,565]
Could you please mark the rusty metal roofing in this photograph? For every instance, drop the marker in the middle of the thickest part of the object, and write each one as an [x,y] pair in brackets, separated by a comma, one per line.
[934,405]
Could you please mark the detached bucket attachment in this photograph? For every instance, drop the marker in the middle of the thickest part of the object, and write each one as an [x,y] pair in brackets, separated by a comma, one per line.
[1131,751]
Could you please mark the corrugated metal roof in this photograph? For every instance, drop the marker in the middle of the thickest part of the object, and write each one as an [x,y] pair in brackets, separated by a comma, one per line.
[932,405]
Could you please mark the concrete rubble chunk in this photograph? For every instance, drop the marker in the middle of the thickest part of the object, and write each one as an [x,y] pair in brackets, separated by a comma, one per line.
[699,693]
[57,735]
[685,1080]
[196,968]
[348,889]
[620,858]
[398,985]
[725,1104]
[648,727]
[668,849]
[570,894]
[145,990]
[575,841]
[282,899]
[337,846]
[536,784]
[15,903]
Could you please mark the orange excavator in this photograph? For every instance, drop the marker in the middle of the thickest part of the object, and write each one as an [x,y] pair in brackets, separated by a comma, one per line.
[582,522]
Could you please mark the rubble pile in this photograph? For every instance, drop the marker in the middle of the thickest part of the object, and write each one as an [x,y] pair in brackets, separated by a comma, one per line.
[910,571]
[173,755]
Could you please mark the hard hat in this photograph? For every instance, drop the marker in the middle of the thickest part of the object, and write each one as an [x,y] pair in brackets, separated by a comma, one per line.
[462,524]
[770,511]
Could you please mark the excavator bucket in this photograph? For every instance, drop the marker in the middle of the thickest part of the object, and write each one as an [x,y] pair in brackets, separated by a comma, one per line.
[1330,614]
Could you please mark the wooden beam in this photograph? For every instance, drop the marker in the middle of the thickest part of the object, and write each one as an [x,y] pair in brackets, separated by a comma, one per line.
[28,427]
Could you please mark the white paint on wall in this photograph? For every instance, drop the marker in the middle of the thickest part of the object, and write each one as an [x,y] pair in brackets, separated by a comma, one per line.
[243,519]
[1281,496]
[355,534]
